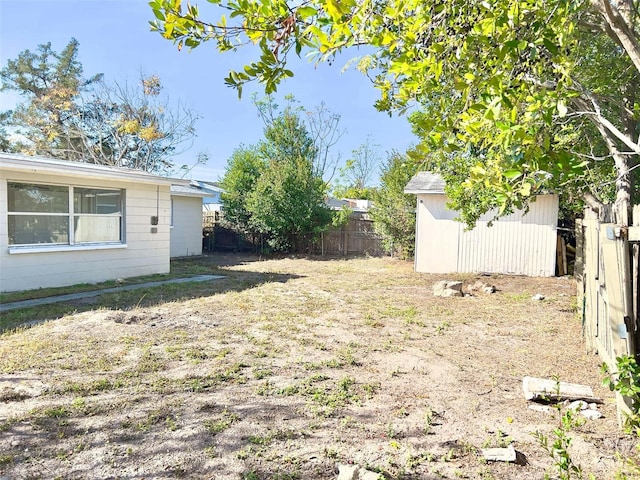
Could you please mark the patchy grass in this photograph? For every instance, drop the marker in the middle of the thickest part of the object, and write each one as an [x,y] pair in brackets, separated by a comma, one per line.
[180,268]
[127,300]
[288,366]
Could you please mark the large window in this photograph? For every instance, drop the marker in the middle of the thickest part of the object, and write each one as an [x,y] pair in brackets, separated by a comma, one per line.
[63,215]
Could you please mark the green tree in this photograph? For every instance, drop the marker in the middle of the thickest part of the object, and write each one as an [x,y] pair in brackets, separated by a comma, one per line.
[287,205]
[394,212]
[66,116]
[540,89]
[272,190]
[244,168]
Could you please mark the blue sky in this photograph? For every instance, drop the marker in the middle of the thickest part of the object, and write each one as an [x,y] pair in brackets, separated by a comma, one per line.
[115,40]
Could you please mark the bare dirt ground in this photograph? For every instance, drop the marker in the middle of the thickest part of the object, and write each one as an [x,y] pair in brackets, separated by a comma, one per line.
[294,366]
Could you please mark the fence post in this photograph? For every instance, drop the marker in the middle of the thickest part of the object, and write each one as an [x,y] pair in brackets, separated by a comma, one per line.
[635,259]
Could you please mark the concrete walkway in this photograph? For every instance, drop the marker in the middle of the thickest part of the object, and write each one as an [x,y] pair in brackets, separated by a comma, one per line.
[5,307]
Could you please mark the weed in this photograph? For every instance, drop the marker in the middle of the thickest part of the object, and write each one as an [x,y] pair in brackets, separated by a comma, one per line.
[484,473]
[430,416]
[232,374]
[414,461]
[626,382]
[315,379]
[171,424]
[450,455]
[56,412]
[265,388]
[347,358]
[370,389]
[330,452]
[220,424]
[198,384]
[163,414]
[211,451]
[260,373]
[442,327]
[223,353]
[260,440]
[5,459]
[244,453]
[7,424]
[149,362]
[90,388]
[289,390]
[499,439]
[558,448]
[390,431]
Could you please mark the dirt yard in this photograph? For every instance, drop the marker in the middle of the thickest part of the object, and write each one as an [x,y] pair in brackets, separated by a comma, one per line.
[292,366]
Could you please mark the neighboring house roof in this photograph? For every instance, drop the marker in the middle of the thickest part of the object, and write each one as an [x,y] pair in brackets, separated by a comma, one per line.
[335,203]
[187,191]
[209,192]
[26,163]
[353,204]
[425,182]
[207,187]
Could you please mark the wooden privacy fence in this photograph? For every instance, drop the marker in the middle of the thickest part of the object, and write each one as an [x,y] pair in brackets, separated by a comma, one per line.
[607,274]
[357,236]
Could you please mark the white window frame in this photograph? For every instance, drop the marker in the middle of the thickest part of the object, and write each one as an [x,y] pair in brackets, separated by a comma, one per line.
[71,245]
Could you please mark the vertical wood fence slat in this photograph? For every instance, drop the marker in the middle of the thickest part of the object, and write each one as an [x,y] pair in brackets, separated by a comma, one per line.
[357,236]
[604,289]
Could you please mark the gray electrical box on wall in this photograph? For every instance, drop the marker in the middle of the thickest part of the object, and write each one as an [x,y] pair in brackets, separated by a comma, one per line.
[154,220]
[154,229]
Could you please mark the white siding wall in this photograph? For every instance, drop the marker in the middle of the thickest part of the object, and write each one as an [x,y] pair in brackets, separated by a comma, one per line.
[516,244]
[186,233]
[145,253]
[437,236]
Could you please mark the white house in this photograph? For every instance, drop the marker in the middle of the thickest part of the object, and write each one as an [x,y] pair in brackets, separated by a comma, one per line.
[520,243]
[186,220]
[63,223]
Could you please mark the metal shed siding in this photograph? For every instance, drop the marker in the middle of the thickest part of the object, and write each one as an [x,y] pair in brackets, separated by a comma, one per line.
[522,244]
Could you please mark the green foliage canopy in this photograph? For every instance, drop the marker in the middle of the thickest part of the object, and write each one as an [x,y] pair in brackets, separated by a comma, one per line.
[393,212]
[243,170]
[271,189]
[538,89]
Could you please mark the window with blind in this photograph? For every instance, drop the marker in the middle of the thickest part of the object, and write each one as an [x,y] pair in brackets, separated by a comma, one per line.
[41,214]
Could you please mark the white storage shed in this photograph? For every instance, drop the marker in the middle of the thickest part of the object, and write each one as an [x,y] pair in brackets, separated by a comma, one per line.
[518,244]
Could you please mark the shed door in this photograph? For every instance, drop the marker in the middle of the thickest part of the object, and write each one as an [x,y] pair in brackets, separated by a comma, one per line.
[437,236]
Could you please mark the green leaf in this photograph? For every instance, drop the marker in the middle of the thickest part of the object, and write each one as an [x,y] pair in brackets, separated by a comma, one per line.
[305,12]
[512,174]
[552,47]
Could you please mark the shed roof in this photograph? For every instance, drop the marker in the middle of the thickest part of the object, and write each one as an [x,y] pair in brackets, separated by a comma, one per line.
[425,182]
[27,163]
